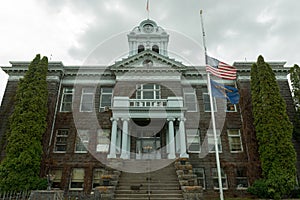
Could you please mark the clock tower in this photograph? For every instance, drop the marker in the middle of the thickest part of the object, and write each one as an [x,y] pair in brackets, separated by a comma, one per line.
[148,36]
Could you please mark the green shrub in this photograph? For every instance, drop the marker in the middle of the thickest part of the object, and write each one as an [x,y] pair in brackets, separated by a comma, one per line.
[259,189]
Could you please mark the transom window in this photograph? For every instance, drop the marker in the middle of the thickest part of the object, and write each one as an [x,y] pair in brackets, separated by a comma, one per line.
[61,140]
[211,141]
[77,179]
[216,180]
[87,100]
[200,176]
[82,141]
[103,140]
[193,140]
[105,98]
[235,142]
[148,91]
[190,99]
[206,101]
[67,100]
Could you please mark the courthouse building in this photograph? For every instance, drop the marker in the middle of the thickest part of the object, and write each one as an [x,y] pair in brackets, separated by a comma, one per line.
[145,107]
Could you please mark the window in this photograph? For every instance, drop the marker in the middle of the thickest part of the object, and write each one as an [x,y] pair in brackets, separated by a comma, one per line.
[141,48]
[61,140]
[56,178]
[241,178]
[67,100]
[77,179]
[148,91]
[206,100]
[97,177]
[200,176]
[230,107]
[87,100]
[155,48]
[82,141]
[190,99]
[103,140]
[105,98]
[235,142]
[216,180]
[211,141]
[193,140]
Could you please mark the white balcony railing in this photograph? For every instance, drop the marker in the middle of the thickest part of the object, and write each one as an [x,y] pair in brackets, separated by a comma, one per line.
[124,102]
[147,103]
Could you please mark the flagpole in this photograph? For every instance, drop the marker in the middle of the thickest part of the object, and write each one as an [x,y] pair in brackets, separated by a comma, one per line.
[212,116]
[147,8]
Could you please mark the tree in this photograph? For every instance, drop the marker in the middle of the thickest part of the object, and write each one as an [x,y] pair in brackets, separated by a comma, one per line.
[273,131]
[21,167]
[295,81]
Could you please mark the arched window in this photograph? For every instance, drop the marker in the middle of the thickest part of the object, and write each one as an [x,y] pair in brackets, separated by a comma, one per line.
[141,48]
[155,48]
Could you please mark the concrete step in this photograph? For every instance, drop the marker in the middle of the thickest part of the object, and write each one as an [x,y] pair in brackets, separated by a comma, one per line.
[160,184]
[145,191]
[161,196]
[153,187]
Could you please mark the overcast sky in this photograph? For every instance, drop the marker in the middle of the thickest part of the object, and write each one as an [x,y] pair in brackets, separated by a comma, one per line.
[69,30]
[72,30]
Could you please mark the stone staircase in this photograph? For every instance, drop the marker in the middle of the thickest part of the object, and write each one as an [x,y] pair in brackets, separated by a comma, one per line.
[161,184]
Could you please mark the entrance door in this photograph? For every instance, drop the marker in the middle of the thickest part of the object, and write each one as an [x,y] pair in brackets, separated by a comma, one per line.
[148,148]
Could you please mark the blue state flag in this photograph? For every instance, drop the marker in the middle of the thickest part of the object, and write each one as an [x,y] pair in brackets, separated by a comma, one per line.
[219,90]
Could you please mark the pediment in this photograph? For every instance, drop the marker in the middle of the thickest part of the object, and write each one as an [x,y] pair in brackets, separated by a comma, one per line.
[146,60]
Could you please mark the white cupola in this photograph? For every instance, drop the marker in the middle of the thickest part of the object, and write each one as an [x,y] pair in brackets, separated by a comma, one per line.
[148,36]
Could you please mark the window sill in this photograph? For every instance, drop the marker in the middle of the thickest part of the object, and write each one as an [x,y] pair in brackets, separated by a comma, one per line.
[237,151]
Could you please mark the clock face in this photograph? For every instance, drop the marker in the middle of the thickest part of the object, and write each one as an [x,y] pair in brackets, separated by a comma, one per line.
[148,28]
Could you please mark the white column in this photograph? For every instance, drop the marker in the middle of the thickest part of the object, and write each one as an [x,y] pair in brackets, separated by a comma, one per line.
[183,149]
[124,154]
[128,145]
[113,139]
[171,139]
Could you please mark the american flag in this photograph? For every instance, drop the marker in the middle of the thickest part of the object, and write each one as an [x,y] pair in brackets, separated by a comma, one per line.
[220,69]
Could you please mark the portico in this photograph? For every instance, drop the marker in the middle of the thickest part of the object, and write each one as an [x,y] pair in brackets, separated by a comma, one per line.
[148,132]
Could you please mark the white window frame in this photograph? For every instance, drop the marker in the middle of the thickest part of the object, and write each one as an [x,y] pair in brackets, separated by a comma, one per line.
[67,91]
[140,90]
[61,134]
[190,92]
[104,93]
[193,136]
[206,103]
[82,141]
[231,136]
[241,177]
[75,180]
[87,92]
[97,173]
[230,107]
[103,140]
[56,176]
[197,171]
[211,141]
[216,179]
